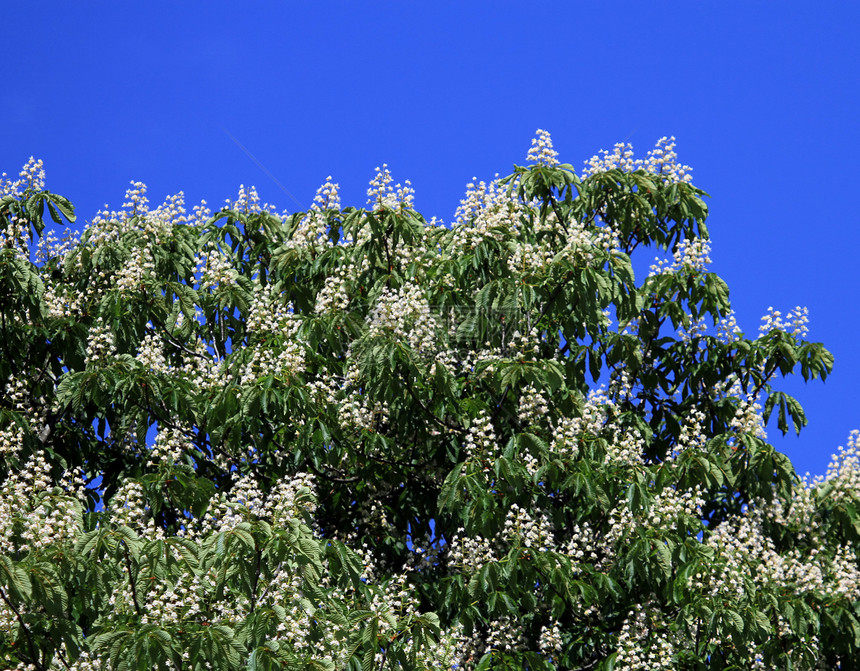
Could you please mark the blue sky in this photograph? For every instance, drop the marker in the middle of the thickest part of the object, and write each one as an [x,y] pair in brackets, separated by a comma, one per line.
[762,97]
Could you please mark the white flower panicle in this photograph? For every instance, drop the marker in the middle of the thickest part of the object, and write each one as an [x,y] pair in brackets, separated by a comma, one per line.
[645,643]
[34,514]
[626,449]
[550,643]
[748,417]
[31,177]
[136,202]
[268,315]
[128,506]
[470,553]
[270,322]
[485,213]
[541,151]
[171,443]
[101,344]
[795,323]
[728,330]
[327,196]
[150,353]
[481,441]
[405,314]
[334,296]
[662,161]
[533,533]
[382,195]
[672,505]
[843,472]
[214,269]
[688,255]
[133,273]
[533,406]
[291,498]
[248,201]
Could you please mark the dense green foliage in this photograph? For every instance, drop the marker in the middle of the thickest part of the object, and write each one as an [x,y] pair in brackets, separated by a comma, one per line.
[353,438]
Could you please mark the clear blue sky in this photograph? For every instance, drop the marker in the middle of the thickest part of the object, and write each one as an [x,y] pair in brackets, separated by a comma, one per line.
[762,96]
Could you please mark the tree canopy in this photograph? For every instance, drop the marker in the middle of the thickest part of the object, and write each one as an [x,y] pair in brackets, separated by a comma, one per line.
[353,438]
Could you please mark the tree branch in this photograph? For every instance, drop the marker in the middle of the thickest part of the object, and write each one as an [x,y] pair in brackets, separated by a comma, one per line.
[34,655]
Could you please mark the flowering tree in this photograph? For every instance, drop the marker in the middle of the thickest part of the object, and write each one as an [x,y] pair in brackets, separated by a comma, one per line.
[352,438]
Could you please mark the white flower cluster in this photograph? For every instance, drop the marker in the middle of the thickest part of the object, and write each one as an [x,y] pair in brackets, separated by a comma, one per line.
[101,344]
[795,323]
[18,396]
[268,318]
[521,527]
[671,505]
[533,406]
[585,545]
[150,353]
[128,506]
[485,213]
[334,295]
[550,643]
[530,258]
[52,247]
[662,161]
[582,546]
[170,444]
[135,270]
[594,412]
[312,231]
[505,635]
[748,417]
[15,237]
[356,411]
[201,369]
[843,472]
[33,514]
[382,195]
[481,442]
[136,202]
[405,314]
[584,242]
[689,255]
[268,315]
[541,151]
[174,601]
[32,177]
[226,510]
[692,435]
[61,301]
[327,196]
[470,553]
[290,498]
[728,330]
[626,448]
[565,441]
[214,269]
[644,643]
[11,440]
[248,201]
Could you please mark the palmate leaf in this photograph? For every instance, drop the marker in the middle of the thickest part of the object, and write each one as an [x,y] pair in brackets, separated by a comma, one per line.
[16,578]
[47,589]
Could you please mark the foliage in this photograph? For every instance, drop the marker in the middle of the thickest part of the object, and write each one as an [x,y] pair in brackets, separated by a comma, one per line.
[352,438]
